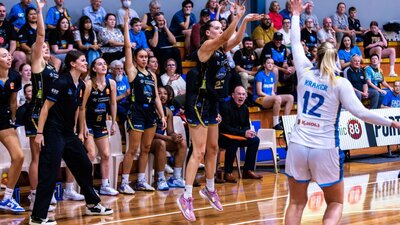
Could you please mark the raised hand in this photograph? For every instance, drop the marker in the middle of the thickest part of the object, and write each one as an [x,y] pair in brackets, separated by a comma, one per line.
[126,17]
[297,6]
[253,17]
[40,4]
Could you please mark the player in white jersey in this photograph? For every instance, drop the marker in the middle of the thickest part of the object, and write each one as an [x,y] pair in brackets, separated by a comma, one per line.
[313,152]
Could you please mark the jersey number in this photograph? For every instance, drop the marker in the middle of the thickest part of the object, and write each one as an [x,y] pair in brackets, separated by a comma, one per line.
[313,109]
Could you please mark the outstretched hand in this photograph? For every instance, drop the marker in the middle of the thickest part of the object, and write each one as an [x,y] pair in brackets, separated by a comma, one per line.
[126,17]
[298,7]
[253,17]
[40,4]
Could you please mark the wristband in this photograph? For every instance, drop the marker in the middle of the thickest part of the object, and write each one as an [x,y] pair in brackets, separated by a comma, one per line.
[39,132]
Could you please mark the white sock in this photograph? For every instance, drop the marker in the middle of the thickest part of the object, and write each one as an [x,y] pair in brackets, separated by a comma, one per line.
[69,186]
[141,177]
[125,178]
[104,182]
[161,174]
[8,193]
[188,191]
[177,172]
[210,184]
[33,192]
[392,69]
[275,120]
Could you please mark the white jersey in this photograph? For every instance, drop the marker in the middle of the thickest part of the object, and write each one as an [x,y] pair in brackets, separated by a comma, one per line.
[319,101]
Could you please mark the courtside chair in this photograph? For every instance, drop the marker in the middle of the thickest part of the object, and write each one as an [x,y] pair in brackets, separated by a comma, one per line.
[180,128]
[268,141]
[115,154]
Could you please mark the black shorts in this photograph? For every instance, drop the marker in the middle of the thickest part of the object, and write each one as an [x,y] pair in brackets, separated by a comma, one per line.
[199,110]
[32,120]
[141,117]
[5,121]
[98,132]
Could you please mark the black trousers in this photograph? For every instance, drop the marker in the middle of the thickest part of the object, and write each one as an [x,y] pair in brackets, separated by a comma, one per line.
[67,146]
[231,146]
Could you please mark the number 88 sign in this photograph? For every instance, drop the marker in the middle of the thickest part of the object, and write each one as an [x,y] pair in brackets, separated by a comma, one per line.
[354,129]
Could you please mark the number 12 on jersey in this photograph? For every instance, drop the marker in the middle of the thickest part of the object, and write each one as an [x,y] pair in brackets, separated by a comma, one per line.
[314,108]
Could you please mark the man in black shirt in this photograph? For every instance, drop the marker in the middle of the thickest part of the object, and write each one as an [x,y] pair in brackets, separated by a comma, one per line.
[356,75]
[235,132]
[161,41]
[246,59]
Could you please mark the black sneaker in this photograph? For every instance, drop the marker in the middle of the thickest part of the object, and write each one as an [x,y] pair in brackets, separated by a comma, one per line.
[98,210]
[278,127]
[36,221]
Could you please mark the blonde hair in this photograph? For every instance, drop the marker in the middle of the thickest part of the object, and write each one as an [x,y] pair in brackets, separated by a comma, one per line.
[327,61]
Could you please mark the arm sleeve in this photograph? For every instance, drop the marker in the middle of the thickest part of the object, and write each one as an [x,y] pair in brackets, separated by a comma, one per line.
[353,104]
[299,58]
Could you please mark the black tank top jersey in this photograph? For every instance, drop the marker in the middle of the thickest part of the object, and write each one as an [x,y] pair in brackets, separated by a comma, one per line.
[41,85]
[216,71]
[98,105]
[143,89]
[11,85]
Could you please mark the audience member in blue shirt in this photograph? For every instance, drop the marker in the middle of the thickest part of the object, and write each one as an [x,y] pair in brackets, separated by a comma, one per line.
[392,98]
[137,36]
[17,13]
[55,13]
[265,84]
[286,13]
[182,22]
[346,50]
[96,13]
[212,6]
[123,89]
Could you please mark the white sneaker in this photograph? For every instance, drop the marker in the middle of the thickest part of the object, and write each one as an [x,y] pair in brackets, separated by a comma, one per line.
[168,169]
[201,166]
[98,210]
[393,75]
[72,195]
[108,190]
[39,221]
[53,200]
[125,188]
[32,198]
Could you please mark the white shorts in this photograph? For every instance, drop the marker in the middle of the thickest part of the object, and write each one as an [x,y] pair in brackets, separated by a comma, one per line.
[324,166]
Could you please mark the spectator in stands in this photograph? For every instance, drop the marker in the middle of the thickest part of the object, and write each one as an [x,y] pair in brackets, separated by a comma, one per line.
[224,11]
[376,43]
[285,31]
[172,142]
[375,79]
[112,40]
[195,36]
[340,23]
[20,117]
[278,52]
[346,50]
[126,4]
[286,13]
[276,18]
[9,38]
[61,40]
[327,33]
[308,34]
[264,93]
[123,89]
[86,39]
[246,60]
[181,24]
[161,41]
[55,13]
[25,72]
[175,80]
[27,33]
[263,33]
[224,23]
[308,13]
[392,98]
[355,25]
[234,132]
[214,9]
[356,75]
[96,13]
[17,15]
[137,36]
[176,107]
[152,66]
[148,21]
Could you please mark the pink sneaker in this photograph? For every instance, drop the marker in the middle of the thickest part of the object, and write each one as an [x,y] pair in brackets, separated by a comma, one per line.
[212,197]
[186,207]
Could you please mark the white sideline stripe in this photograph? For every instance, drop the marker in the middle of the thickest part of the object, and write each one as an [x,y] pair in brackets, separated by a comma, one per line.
[239,203]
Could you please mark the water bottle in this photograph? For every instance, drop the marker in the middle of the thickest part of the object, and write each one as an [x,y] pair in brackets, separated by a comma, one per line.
[16,194]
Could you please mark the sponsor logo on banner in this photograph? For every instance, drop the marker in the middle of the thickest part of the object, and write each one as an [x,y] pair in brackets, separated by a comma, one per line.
[354,128]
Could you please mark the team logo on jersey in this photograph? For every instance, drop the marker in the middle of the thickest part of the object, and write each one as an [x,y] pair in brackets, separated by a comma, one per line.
[12,86]
[69,92]
[307,123]
[53,91]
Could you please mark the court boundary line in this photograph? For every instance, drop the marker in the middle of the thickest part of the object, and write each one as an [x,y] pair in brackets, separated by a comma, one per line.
[231,204]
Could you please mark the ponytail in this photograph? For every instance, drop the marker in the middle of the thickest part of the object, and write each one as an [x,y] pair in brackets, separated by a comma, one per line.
[327,61]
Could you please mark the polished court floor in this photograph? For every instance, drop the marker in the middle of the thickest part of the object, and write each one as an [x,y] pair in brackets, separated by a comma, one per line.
[371,197]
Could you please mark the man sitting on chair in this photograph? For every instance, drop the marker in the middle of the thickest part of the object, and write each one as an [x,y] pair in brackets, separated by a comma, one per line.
[235,132]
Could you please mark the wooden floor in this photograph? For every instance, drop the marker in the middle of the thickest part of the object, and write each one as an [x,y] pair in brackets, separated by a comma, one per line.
[371,197]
